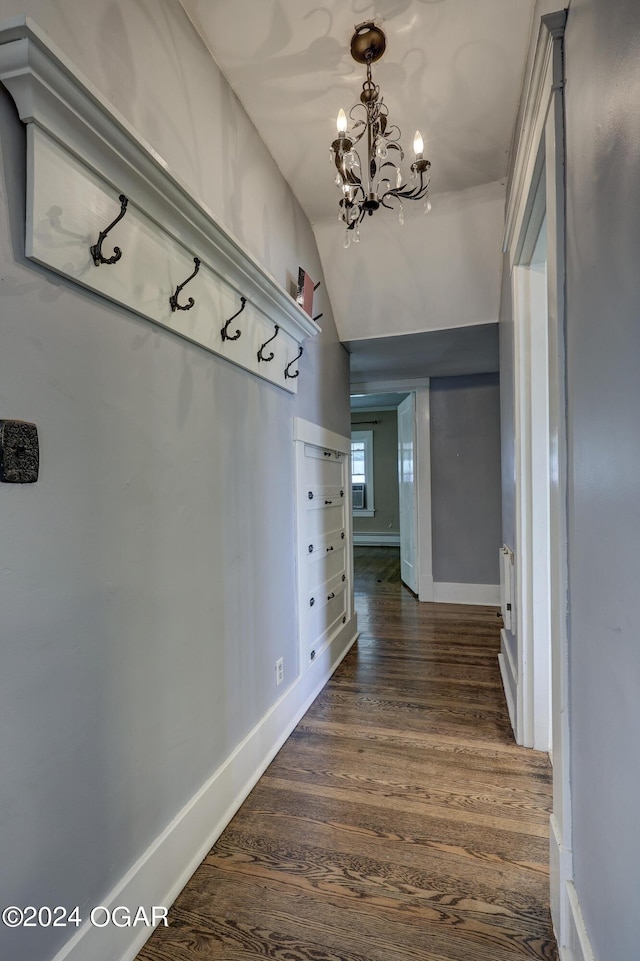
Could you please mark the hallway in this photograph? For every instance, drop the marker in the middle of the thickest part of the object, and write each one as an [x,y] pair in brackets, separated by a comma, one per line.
[399,821]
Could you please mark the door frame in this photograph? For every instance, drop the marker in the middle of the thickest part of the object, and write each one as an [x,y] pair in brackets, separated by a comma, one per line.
[424,551]
[541,146]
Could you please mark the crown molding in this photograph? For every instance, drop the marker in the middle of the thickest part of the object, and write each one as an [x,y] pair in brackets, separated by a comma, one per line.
[546,79]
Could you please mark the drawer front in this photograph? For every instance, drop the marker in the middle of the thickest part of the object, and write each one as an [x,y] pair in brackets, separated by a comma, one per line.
[327,612]
[323,567]
[323,466]
[319,523]
[319,498]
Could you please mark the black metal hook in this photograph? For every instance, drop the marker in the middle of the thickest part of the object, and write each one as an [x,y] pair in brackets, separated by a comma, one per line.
[173,299]
[271,355]
[223,332]
[290,364]
[96,249]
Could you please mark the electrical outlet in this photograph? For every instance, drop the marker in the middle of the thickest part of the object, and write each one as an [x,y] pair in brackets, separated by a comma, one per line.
[279,671]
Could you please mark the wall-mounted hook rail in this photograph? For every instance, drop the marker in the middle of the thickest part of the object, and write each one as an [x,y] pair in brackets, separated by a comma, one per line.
[223,332]
[271,355]
[173,299]
[291,362]
[96,249]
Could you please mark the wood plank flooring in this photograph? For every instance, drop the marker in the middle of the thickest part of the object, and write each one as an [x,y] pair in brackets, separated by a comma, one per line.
[399,821]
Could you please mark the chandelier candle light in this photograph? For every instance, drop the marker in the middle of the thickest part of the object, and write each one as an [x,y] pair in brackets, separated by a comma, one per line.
[379,182]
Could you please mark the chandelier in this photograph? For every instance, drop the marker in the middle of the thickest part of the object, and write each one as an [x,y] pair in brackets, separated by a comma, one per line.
[378,182]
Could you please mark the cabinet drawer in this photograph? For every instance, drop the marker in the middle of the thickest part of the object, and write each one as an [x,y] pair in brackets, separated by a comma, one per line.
[318,523]
[327,610]
[322,567]
[321,497]
[322,466]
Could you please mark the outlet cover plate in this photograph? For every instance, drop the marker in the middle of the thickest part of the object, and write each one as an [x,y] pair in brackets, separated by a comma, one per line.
[19,452]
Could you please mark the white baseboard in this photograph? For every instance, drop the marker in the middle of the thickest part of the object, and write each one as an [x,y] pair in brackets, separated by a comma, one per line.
[480,594]
[165,867]
[579,946]
[566,913]
[425,587]
[376,540]
[559,875]
[509,678]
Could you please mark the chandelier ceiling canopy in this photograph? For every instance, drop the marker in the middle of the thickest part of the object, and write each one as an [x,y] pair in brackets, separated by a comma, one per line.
[375,179]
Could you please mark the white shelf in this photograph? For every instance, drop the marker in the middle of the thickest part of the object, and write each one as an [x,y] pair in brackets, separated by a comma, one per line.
[81,155]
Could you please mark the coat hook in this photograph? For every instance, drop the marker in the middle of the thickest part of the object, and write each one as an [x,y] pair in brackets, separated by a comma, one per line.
[96,249]
[286,370]
[173,299]
[260,354]
[223,332]
[317,317]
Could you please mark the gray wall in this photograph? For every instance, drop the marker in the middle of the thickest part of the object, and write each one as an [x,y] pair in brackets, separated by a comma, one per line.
[603,400]
[385,472]
[603,382]
[147,579]
[465,478]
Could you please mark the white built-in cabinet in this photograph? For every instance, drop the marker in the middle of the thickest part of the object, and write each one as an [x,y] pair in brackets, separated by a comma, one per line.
[324,544]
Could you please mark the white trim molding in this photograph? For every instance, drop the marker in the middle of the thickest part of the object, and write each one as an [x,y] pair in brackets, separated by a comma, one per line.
[509,676]
[375,539]
[540,163]
[477,594]
[579,946]
[366,438]
[81,156]
[165,867]
[541,88]
[388,386]
[310,433]
[423,486]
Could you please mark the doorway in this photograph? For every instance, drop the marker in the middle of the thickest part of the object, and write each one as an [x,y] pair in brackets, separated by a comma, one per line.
[531,344]
[537,198]
[391,479]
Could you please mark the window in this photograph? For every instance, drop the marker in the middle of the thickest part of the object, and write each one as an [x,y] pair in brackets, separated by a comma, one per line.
[362,473]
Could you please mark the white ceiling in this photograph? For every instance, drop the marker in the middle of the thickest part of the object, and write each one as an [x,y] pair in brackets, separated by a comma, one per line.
[454,69]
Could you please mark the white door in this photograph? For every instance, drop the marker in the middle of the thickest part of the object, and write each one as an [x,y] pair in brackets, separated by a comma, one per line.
[407,486]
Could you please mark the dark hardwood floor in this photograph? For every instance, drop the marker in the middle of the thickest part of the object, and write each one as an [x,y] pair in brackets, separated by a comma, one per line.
[399,821]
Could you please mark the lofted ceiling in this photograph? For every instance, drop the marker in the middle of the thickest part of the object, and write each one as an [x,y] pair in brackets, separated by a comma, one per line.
[452,68]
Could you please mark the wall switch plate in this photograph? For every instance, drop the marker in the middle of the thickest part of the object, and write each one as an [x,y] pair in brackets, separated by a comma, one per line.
[19,452]
[279,671]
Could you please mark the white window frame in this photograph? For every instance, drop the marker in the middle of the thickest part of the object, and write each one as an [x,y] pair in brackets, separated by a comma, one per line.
[366,437]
